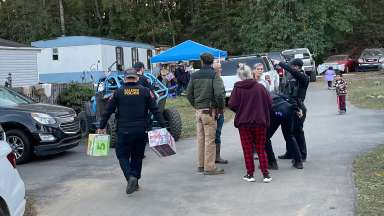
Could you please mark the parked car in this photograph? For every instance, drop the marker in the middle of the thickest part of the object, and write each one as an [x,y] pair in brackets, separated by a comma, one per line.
[343,63]
[309,62]
[36,128]
[12,188]
[229,69]
[371,59]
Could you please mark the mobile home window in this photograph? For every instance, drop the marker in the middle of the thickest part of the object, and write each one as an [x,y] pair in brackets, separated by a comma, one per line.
[119,56]
[55,54]
[135,55]
[149,56]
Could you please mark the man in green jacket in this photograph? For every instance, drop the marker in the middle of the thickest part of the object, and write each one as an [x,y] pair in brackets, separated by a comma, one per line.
[206,94]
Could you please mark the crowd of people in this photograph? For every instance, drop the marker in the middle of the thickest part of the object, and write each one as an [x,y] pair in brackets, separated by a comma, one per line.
[259,112]
[175,77]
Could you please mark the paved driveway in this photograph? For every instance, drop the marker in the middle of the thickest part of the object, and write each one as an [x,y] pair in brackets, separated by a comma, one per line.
[74,184]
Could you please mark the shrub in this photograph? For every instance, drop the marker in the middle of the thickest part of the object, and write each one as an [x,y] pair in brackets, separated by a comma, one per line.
[74,95]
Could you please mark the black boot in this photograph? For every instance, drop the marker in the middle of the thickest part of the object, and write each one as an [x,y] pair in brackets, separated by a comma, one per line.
[219,160]
[298,164]
[284,156]
[273,165]
[132,185]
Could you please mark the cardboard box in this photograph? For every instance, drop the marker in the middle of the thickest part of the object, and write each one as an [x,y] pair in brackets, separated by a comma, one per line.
[162,142]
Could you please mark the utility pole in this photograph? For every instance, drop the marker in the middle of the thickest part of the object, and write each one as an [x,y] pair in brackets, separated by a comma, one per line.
[62,17]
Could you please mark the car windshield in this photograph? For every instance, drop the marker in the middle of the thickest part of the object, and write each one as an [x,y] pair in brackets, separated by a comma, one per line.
[297,53]
[276,56]
[12,98]
[229,68]
[371,53]
[337,58]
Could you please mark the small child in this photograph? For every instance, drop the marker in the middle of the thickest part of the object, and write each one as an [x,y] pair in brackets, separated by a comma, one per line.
[341,91]
[329,77]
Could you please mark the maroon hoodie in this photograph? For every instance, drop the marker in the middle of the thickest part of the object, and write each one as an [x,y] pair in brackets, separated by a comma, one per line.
[252,104]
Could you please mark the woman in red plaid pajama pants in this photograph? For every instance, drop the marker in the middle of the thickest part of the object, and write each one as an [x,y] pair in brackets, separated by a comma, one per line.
[252,104]
[251,138]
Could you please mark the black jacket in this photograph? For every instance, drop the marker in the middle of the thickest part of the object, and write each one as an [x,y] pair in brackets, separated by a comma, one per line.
[297,84]
[143,81]
[133,103]
[282,105]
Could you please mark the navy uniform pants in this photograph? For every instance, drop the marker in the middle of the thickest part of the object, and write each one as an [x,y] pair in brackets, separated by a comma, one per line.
[130,151]
[287,123]
[299,133]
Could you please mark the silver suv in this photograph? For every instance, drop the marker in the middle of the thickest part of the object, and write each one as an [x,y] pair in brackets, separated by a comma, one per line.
[309,62]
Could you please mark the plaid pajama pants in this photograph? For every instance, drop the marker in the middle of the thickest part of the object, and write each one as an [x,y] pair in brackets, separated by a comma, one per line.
[250,138]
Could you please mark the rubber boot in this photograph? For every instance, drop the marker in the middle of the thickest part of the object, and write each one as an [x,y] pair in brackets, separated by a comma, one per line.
[219,160]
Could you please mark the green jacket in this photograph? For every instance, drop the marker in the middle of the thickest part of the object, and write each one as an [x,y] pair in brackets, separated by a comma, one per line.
[206,89]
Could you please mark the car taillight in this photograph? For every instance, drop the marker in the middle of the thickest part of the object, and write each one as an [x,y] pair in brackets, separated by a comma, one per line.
[12,159]
[360,60]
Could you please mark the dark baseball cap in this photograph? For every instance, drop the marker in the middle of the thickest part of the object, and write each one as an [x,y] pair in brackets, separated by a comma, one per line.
[130,74]
[138,65]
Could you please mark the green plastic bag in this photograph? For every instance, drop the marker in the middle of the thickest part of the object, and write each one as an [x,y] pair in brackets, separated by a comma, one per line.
[98,145]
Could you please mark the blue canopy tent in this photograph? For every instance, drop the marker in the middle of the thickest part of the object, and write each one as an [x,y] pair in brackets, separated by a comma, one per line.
[187,51]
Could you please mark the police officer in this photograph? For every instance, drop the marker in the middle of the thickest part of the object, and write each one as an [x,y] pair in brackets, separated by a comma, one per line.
[133,103]
[296,88]
[282,114]
[139,68]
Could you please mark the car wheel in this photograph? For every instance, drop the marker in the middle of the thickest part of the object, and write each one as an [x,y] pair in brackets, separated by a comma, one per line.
[313,76]
[3,211]
[112,130]
[20,144]
[172,116]
[83,124]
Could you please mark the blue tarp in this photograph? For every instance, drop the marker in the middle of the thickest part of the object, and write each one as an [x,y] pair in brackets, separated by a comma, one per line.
[187,51]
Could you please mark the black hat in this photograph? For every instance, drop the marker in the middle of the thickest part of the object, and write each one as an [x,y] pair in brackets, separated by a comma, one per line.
[130,74]
[297,62]
[138,65]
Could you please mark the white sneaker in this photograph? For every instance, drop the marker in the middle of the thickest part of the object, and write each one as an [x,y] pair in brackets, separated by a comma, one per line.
[249,178]
[267,178]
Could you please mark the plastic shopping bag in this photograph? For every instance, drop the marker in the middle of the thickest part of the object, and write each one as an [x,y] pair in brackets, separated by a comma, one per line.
[98,145]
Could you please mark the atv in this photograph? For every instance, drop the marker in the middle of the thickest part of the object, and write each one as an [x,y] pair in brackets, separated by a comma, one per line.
[104,89]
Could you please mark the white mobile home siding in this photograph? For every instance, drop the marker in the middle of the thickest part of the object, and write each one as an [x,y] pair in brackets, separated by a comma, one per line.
[143,56]
[71,59]
[21,63]
[108,54]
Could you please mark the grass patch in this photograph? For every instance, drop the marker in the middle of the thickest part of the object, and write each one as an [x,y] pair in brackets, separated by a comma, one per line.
[188,117]
[366,90]
[369,180]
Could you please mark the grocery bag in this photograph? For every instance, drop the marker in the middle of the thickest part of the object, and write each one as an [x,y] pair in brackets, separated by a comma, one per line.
[162,142]
[98,145]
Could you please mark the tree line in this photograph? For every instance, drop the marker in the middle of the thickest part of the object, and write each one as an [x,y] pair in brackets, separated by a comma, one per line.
[240,27]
